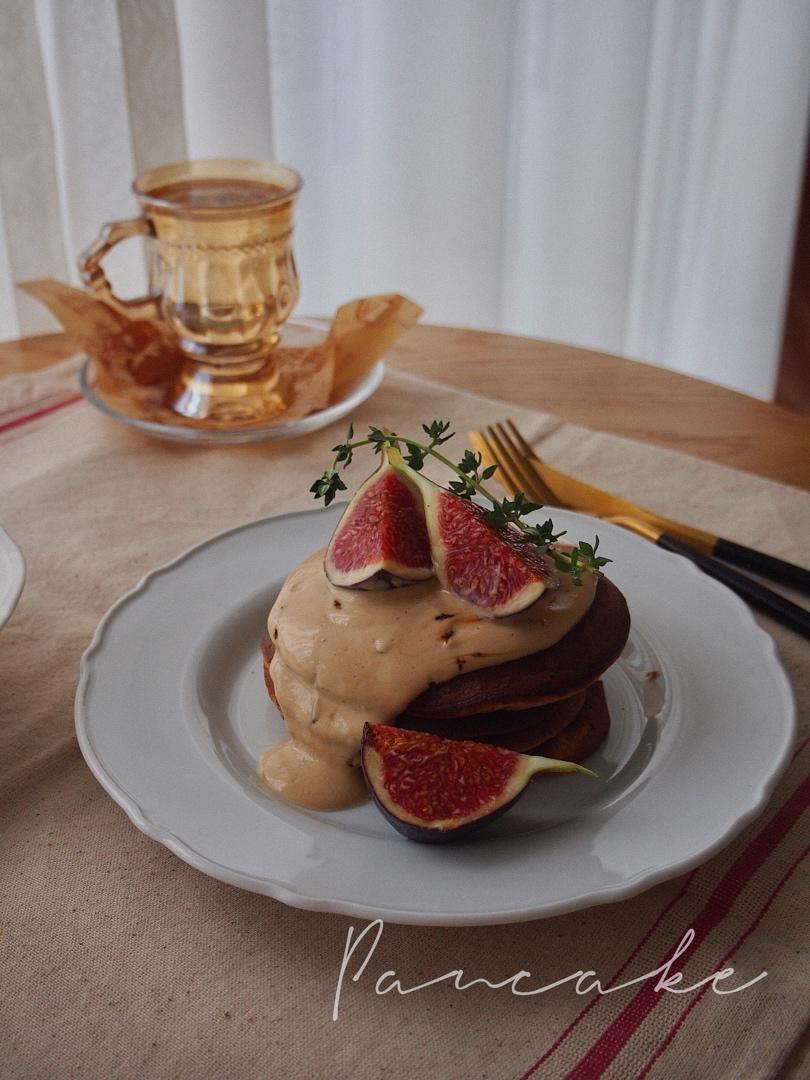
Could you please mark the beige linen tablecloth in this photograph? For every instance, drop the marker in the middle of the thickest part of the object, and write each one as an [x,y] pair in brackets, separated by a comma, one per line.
[118,960]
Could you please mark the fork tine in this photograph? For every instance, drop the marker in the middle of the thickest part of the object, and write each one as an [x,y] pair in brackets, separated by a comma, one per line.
[525,479]
[534,463]
[532,478]
[521,442]
[491,456]
[505,461]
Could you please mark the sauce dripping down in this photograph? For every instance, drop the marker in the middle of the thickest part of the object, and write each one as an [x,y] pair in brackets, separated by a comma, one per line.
[346,657]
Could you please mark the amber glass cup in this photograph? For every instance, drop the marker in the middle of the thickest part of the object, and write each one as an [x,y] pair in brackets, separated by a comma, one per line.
[222,275]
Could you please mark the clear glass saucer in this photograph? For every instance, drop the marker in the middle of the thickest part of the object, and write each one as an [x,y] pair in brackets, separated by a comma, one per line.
[353,395]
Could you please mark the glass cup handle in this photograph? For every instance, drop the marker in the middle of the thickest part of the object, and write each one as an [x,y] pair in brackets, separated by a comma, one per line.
[92,272]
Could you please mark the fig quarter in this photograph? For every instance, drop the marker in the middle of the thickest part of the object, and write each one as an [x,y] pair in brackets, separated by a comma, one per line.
[435,790]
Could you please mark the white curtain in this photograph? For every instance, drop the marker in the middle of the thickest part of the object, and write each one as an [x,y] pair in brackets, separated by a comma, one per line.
[619,174]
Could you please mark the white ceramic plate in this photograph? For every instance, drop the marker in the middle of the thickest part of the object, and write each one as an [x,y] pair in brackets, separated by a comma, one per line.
[354,394]
[172,714]
[12,576]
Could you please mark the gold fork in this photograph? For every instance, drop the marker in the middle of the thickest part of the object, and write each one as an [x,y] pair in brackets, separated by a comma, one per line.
[571,494]
[519,469]
[514,469]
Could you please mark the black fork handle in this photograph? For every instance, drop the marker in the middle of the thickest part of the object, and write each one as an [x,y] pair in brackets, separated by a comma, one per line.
[771,603]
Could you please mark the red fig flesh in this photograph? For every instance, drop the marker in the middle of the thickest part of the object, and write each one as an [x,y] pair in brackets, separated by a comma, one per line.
[435,790]
[382,541]
[490,568]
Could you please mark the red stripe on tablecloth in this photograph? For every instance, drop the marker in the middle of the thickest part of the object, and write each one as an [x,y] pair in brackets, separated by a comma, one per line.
[20,406]
[584,1012]
[39,412]
[581,1016]
[743,938]
[616,1036]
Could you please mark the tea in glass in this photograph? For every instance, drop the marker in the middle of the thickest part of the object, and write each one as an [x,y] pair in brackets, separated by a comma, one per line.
[222,275]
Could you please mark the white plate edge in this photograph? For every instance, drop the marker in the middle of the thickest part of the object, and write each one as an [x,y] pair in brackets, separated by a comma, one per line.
[16,561]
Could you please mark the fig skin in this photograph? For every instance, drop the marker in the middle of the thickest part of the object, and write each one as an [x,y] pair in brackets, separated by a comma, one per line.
[515,771]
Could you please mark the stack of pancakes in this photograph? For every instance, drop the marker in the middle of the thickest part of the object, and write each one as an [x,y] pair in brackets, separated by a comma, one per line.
[550,702]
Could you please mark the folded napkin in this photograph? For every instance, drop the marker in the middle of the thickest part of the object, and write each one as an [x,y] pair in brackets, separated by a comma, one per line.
[120,960]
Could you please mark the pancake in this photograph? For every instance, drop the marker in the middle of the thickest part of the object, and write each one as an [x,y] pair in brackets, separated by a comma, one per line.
[526,740]
[586,734]
[587,722]
[542,722]
[570,666]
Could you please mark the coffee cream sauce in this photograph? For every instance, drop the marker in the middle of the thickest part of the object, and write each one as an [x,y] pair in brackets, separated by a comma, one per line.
[344,657]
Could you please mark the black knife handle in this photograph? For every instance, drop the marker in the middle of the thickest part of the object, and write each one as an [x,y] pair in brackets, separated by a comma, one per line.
[785,572]
[784,611]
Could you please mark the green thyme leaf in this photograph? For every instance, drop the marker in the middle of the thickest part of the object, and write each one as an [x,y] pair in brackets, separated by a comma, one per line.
[470,462]
[415,456]
[436,431]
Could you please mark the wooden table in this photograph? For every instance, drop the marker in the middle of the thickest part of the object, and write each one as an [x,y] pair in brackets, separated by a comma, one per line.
[594,389]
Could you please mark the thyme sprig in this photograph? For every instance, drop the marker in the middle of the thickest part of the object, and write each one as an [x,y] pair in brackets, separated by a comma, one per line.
[470,480]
